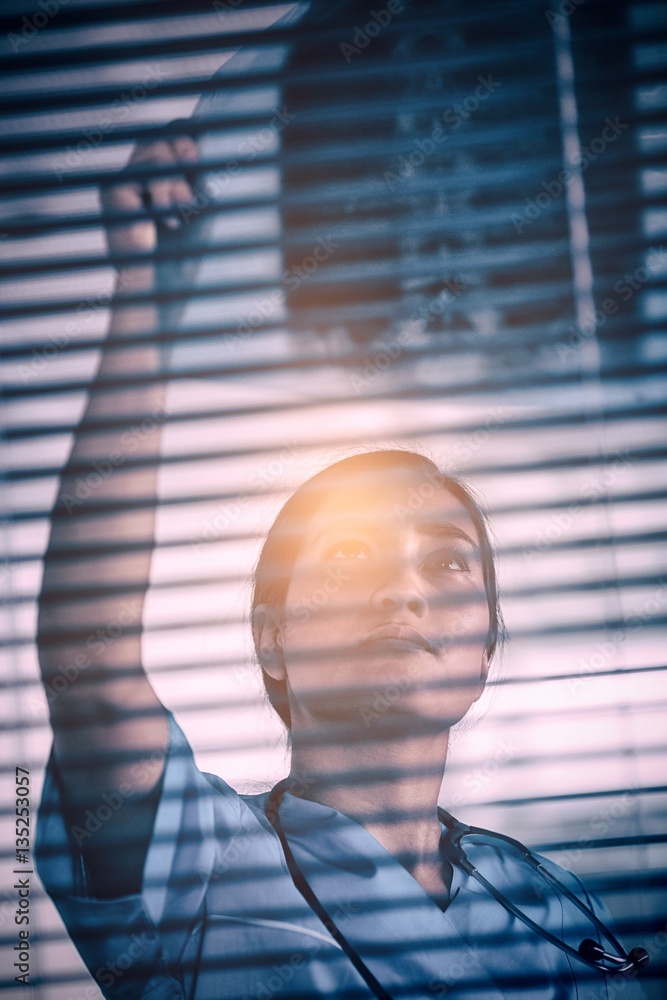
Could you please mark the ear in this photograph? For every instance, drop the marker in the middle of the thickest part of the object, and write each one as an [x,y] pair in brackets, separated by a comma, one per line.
[484,673]
[268,629]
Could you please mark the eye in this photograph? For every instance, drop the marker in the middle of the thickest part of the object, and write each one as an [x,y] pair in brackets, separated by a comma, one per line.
[447,562]
[349,549]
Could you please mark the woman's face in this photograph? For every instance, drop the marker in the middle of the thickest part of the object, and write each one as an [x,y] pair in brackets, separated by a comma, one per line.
[386,615]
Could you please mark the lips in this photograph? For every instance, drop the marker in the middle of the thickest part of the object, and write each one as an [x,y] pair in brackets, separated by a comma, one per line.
[399,634]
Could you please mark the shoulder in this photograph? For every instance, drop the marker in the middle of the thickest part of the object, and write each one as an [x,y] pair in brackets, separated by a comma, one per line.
[556,899]
[526,874]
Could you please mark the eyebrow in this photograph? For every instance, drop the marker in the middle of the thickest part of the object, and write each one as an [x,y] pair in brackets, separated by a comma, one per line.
[434,529]
[442,529]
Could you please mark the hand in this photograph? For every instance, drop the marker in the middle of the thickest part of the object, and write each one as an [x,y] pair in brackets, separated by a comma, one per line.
[163,192]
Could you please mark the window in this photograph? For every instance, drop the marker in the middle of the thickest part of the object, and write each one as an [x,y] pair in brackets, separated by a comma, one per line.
[443,225]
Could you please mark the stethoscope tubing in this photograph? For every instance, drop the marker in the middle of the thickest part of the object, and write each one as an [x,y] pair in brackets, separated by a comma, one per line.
[460,858]
[620,963]
[309,895]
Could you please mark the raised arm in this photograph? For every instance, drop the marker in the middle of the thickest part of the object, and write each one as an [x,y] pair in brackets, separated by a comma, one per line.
[110,729]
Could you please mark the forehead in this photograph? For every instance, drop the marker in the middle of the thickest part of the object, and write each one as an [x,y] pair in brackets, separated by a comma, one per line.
[395,498]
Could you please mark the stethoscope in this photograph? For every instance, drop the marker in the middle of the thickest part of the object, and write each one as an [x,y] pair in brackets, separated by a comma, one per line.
[589,951]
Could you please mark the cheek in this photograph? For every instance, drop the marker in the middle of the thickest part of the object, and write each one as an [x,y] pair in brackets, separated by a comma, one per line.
[309,605]
[476,616]
[323,590]
[465,624]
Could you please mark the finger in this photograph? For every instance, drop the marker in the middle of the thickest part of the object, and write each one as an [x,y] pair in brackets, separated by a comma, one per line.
[160,191]
[151,154]
[182,192]
[123,236]
[187,154]
[164,193]
[186,149]
[121,197]
[161,152]
[129,195]
[156,151]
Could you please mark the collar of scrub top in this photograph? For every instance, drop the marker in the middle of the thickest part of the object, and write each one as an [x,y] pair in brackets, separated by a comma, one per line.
[330,845]
[349,856]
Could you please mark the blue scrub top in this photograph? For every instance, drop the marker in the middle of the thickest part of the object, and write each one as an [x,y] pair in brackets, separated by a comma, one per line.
[219,917]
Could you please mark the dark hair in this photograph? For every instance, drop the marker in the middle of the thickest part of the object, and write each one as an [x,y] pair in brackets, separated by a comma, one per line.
[283,542]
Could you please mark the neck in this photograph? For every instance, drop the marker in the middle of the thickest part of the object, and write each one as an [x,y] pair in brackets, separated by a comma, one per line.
[389,786]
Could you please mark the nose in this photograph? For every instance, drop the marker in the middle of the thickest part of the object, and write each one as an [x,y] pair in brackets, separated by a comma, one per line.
[400,591]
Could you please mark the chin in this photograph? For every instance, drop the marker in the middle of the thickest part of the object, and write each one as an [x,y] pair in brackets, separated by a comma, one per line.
[369,713]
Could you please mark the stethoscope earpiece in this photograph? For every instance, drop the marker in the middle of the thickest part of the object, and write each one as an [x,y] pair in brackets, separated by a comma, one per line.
[637,958]
[589,951]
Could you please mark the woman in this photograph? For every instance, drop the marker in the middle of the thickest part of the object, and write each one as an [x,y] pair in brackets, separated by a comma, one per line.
[375,617]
